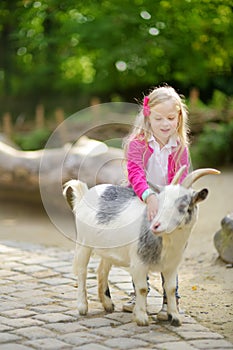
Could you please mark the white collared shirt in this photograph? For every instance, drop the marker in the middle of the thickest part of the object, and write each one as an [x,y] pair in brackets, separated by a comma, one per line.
[157,166]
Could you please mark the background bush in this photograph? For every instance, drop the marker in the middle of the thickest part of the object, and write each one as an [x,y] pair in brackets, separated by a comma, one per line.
[214,146]
[33,140]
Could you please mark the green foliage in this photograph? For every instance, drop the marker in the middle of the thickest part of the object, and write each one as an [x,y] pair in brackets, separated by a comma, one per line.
[214,146]
[219,100]
[117,143]
[33,140]
[101,47]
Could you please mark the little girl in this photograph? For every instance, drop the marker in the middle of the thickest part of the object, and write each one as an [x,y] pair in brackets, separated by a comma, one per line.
[155,149]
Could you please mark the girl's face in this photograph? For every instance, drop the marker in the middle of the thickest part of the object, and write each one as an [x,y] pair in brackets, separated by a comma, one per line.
[164,119]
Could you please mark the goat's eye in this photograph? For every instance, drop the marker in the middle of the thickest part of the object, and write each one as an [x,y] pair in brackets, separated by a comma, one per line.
[182,204]
[182,208]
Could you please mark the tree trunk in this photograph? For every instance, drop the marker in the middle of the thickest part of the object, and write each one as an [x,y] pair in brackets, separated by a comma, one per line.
[40,174]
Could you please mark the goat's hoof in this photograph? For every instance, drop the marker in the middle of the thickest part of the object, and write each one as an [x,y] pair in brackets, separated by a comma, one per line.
[82,313]
[142,321]
[174,321]
[109,308]
[82,310]
[107,304]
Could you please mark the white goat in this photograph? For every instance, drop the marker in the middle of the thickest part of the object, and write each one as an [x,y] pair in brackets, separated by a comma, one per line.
[111,220]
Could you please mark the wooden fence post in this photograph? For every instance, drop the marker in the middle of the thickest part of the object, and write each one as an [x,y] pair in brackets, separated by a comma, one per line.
[194,97]
[95,102]
[40,117]
[60,117]
[7,125]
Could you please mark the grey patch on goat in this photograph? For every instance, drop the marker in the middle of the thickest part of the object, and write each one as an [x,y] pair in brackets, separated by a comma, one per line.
[182,203]
[186,207]
[149,245]
[112,202]
[190,213]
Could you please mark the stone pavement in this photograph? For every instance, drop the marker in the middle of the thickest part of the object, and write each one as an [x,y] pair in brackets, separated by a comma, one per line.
[38,309]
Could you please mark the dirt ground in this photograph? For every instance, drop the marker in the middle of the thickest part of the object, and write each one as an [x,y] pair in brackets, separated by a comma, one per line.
[206,283]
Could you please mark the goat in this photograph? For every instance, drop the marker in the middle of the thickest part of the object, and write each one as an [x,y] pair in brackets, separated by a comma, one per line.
[111,221]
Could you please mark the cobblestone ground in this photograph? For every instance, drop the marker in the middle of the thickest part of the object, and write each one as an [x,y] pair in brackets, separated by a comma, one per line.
[38,309]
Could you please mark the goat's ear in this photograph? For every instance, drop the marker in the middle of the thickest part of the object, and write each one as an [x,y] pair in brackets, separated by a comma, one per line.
[155,188]
[69,196]
[199,196]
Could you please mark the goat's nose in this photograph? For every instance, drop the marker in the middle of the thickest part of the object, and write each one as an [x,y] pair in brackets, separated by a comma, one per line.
[155,226]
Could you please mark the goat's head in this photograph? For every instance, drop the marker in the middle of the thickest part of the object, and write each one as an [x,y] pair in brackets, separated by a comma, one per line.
[177,202]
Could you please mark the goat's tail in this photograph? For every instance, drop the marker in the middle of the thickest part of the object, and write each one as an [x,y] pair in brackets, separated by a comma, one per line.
[73,191]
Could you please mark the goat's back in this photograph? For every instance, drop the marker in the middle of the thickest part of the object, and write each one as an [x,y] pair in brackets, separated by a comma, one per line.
[108,216]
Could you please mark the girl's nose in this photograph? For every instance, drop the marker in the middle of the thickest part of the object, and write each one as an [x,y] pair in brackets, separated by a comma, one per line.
[166,121]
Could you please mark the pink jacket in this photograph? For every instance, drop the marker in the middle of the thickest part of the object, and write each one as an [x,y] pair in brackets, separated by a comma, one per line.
[137,157]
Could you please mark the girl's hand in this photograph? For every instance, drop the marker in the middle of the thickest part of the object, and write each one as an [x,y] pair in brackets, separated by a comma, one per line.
[152,206]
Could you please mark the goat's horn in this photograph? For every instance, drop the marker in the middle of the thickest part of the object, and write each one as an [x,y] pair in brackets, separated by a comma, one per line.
[196,174]
[178,175]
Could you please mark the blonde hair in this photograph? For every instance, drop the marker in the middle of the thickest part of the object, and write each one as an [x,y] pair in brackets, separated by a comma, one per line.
[142,130]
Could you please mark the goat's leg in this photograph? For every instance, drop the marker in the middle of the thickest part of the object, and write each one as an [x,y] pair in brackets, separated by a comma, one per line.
[82,257]
[170,288]
[139,275]
[103,288]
